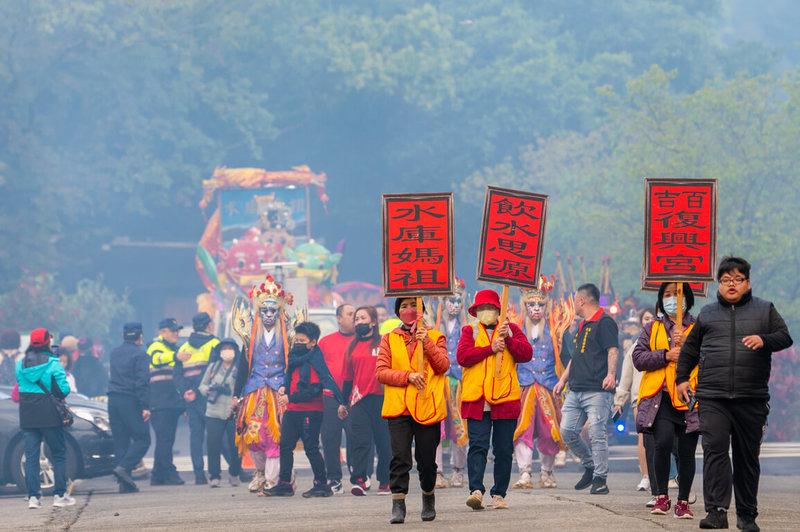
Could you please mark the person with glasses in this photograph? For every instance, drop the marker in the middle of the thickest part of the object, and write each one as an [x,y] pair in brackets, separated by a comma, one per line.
[731,344]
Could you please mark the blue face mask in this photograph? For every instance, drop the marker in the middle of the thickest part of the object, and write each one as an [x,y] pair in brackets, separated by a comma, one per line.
[671,305]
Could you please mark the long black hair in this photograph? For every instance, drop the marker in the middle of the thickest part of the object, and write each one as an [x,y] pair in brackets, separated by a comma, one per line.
[688,296]
[375,337]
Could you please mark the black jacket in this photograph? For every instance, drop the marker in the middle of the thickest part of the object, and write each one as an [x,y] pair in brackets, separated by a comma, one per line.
[728,368]
[130,373]
[312,359]
[90,376]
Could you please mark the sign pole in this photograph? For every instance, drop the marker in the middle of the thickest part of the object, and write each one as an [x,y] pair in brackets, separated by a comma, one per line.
[679,317]
[498,359]
[420,357]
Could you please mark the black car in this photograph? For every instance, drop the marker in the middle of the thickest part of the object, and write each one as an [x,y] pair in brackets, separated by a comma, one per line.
[90,452]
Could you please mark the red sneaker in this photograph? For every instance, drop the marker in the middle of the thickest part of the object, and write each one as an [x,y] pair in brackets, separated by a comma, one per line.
[359,488]
[663,504]
[384,489]
[682,510]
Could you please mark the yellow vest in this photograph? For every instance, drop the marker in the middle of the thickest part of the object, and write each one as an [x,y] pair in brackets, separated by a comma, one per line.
[196,364]
[425,409]
[653,381]
[479,381]
[162,360]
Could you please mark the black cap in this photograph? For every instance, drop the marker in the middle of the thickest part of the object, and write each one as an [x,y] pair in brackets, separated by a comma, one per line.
[132,329]
[229,342]
[200,321]
[169,323]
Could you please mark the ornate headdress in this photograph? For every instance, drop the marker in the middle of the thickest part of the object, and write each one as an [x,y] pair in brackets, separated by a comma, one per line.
[460,288]
[542,292]
[270,291]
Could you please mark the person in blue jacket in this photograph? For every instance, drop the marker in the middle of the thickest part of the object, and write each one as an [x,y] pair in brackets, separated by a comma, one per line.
[40,375]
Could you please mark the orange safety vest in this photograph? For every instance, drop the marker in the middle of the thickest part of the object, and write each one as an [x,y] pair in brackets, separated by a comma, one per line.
[427,408]
[653,381]
[479,380]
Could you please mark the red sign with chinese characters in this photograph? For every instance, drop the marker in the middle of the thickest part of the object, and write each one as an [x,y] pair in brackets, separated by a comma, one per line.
[512,237]
[680,235]
[418,245]
[698,289]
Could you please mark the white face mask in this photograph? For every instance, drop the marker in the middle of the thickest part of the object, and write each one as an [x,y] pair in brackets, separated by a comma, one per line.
[488,316]
[227,355]
[671,305]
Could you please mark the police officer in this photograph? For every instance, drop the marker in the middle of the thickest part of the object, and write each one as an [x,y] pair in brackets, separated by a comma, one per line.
[166,401]
[129,404]
[193,359]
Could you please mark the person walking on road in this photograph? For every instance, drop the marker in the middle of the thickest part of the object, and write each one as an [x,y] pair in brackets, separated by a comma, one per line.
[490,401]
[129,405]
[42,381]
[591,374]
[732,344]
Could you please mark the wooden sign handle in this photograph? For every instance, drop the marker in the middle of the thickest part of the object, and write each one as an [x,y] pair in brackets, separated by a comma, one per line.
[498,358]
[419,355]
[679,317]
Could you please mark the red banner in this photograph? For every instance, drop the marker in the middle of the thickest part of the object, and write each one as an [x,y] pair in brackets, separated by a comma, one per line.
[680,236]
[418,245]
[698,289]
[512,237]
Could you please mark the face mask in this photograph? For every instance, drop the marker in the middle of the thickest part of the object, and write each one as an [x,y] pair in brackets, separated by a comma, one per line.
[408,315]
[363,329]
[488,316]
[671,306]
[227,355]
[299,349]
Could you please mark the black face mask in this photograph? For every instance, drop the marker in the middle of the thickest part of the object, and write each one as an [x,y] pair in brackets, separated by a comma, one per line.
[299,349]
[363,329]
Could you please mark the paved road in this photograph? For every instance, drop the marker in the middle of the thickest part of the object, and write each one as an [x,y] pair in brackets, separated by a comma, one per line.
[193,507]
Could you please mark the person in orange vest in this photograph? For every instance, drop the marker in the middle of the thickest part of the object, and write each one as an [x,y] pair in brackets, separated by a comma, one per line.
[660,411]
[414,403]
[490,401]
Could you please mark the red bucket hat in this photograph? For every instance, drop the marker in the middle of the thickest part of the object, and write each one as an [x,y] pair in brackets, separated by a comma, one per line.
[40,337]
[485,297]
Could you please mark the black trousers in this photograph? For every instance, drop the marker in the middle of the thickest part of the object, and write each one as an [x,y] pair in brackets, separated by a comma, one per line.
[301,426]
[196,410]
[403,430]
[221,439]
[331,435]
[165,423]
[129,431]
[367,425]
[669,425]
[740,424]
[649,454]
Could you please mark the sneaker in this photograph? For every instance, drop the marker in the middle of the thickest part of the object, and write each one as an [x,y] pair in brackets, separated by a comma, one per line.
[673,483]
[359,489]
[124,488]
[475,500]
[651,502]
[662,506]
[258,481]
[644,484]
[599,486]
[456,479]
[692,497]
[59,501]
[586,479]
[524,481]
[200,479]
[499,503]
[336,486]
[213,483]
[318,490]
[34,503]
[440,481]
[123,477]
[367,484]
[561,459]
[384,489]
[281,489]
[715,519]
[747,523]
[682,510]
[547,479]
[233,480]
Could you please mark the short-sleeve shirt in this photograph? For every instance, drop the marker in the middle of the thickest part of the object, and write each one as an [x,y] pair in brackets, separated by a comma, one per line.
[589,364]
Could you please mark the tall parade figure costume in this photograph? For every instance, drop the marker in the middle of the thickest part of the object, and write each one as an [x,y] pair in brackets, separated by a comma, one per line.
[451,316]
[262,326]
[540,417]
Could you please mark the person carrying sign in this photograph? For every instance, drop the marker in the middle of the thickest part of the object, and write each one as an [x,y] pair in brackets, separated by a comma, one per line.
[490,401]
[414,403]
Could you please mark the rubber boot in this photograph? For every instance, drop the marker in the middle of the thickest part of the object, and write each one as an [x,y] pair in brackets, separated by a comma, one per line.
[428,506]
[398,509]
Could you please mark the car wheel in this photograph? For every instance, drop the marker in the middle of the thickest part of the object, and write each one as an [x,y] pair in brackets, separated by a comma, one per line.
[46,470]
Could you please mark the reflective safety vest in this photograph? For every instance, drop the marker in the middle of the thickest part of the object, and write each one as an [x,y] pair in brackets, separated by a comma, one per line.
[653,381]
[479,381]
[426,408]
[162,361]
[196,365]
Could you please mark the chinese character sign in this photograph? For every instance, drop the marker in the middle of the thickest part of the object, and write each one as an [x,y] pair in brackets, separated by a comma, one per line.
[680,239]
[512,237]
[418,245]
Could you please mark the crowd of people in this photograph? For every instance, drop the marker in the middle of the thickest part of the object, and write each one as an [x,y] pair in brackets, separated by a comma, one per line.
[398,388]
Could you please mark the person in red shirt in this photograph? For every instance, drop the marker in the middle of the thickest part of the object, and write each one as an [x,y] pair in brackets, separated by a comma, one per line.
[490,401]
[334,349]
[366,400]
[301,394]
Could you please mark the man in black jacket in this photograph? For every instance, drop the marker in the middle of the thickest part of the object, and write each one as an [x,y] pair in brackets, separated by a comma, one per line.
[129,404]
[732,342]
